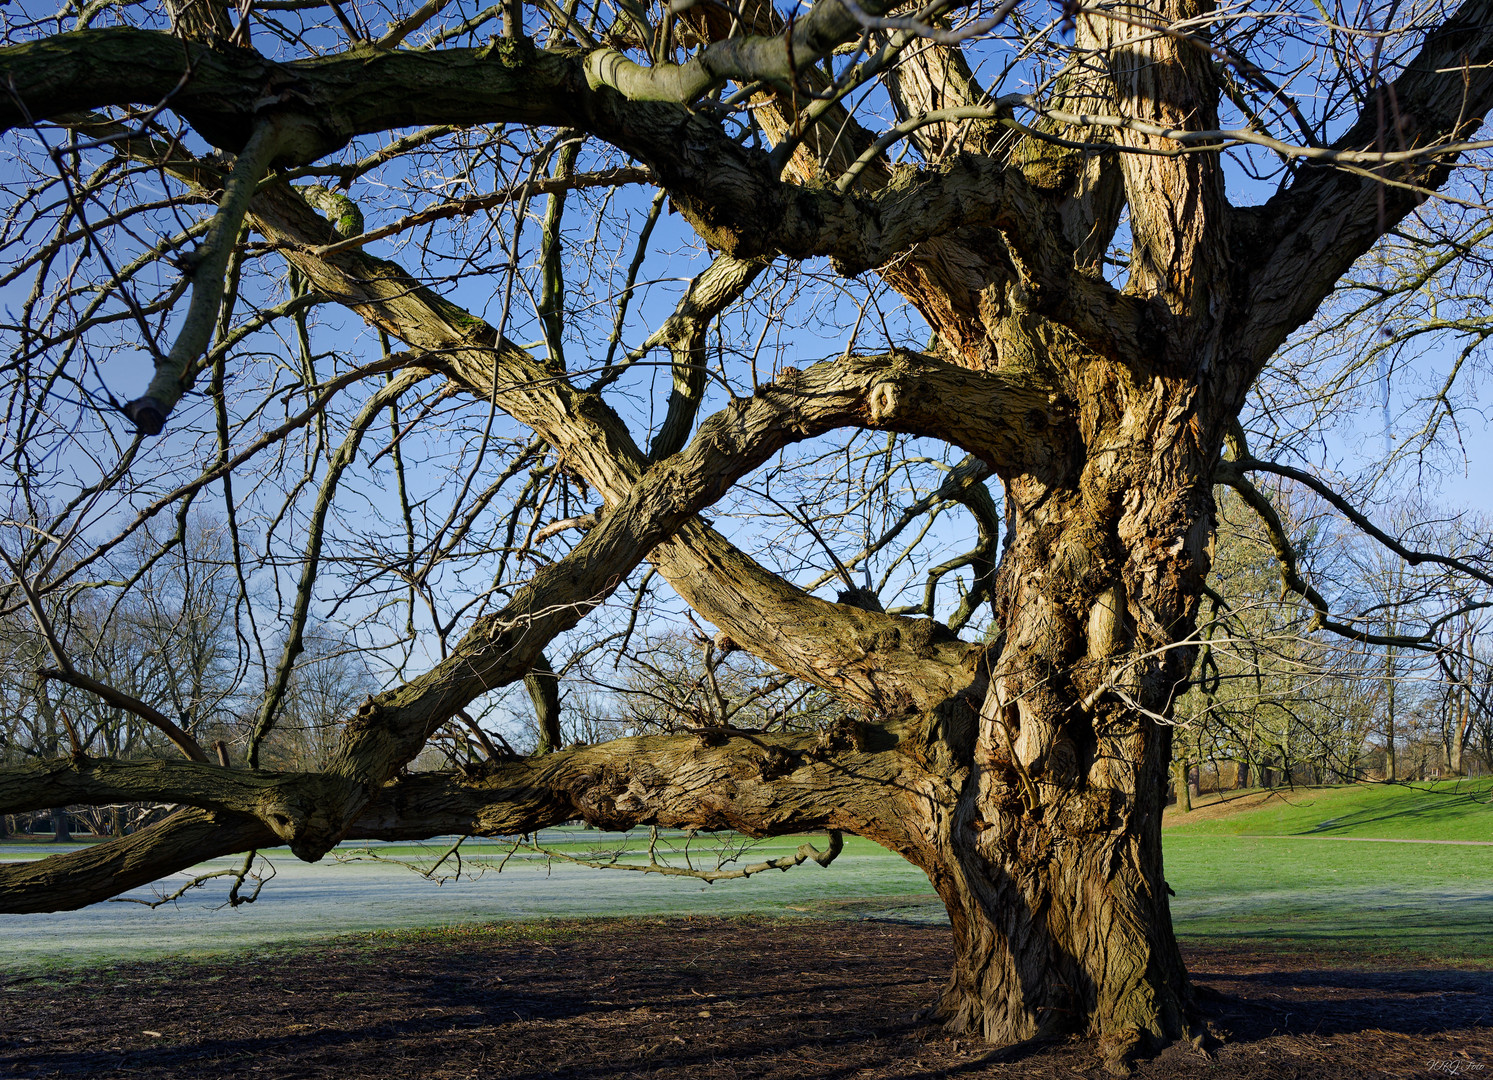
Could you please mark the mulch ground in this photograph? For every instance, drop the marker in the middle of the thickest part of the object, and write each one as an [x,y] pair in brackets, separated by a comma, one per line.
[703,999]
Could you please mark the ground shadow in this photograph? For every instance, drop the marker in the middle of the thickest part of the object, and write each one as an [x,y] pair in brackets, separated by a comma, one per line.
[700,999]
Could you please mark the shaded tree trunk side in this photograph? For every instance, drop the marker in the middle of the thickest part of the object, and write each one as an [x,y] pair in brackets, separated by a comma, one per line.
[61,829]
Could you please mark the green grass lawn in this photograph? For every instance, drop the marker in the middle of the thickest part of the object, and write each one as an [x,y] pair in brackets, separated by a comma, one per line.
[1417,903]
[1442,810]
[1283,870]
[1272,872]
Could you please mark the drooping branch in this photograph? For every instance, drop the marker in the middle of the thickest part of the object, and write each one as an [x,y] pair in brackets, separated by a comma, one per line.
[806,852]
[684,332]
[1362,521]
[1280,544]
[1232,475]
[1232,472]
[174,371]
[112,695]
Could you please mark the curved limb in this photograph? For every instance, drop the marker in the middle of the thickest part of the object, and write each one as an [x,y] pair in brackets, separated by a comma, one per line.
[800,783]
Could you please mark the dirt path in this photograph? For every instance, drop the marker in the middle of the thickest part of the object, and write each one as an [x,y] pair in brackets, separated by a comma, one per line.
[701,999]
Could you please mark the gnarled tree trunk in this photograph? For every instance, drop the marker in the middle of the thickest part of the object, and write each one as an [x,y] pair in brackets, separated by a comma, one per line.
[1061,927]
[1050,863]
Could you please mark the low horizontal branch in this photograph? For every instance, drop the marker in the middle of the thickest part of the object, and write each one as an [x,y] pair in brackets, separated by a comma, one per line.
[769,785]
[97,872]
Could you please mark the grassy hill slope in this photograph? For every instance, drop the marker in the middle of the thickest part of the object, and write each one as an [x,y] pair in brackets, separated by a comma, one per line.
[1441,810]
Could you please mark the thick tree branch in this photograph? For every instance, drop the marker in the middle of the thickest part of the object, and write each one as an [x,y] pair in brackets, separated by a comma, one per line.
[1179,258]
[762,785]
[544,694]
[96,872]
[1302,241]
[98,781]
[743,59]
[209,263]
[901,393]
[852,650]
[730,193]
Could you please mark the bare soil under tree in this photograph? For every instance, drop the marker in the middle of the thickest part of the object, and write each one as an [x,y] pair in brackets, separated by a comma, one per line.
[697,998]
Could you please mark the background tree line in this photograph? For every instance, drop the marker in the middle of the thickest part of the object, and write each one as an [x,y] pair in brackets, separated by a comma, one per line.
[1272,703]
[172,641]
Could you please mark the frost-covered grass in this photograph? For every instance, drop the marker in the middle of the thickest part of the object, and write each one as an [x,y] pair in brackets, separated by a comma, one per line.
[1406,902]
[333,897]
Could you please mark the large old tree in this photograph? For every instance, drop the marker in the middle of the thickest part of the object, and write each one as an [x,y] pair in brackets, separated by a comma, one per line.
[269,273]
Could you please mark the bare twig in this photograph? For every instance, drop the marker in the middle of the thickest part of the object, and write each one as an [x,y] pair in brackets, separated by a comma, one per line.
[805,852]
